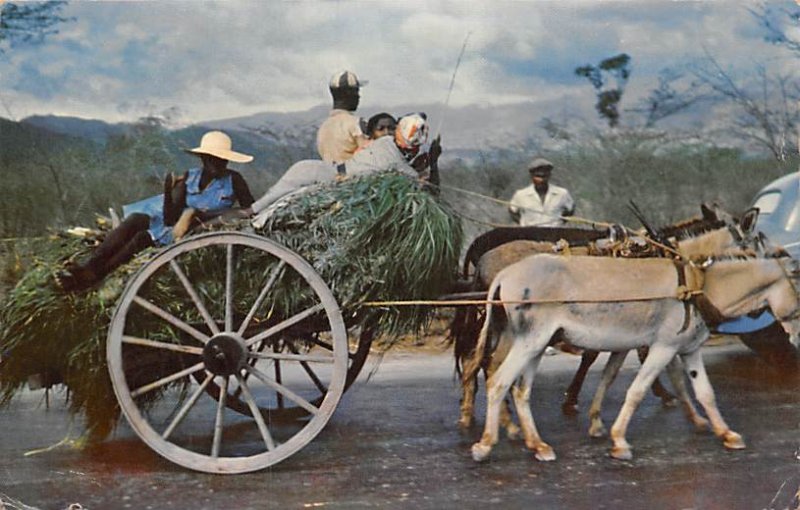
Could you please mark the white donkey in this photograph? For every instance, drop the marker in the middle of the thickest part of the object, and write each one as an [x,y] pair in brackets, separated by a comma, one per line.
[617,305]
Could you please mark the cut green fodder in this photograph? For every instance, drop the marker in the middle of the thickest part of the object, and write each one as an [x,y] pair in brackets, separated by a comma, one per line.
[377,238]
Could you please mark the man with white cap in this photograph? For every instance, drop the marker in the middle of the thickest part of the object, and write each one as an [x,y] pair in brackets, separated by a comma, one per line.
[541,204]
[342,134]
[208,190]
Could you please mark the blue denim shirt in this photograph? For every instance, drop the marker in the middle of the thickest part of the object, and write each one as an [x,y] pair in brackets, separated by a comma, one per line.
[217,195]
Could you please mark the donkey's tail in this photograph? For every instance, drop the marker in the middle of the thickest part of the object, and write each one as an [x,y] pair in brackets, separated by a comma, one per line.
[473,364]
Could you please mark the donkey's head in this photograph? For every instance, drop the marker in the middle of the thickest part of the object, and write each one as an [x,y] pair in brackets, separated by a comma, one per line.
[738,285]
[718,232]
[785,304]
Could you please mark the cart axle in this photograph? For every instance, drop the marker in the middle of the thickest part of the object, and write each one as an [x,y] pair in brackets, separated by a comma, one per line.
[225,354]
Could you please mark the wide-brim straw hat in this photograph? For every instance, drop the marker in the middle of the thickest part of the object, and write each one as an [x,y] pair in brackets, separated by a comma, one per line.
[217,143]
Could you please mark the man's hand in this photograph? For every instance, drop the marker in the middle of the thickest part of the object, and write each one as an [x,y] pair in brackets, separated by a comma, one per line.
[435,151]
[174,197]
[420,162]
[169,182]
[430,158]
[176,186]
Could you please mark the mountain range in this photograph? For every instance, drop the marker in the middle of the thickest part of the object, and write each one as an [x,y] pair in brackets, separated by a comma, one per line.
[464,129]
[468,132]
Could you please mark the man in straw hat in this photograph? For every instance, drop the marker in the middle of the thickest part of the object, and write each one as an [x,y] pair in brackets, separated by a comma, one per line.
[341,134]
[207,191]
[541,204]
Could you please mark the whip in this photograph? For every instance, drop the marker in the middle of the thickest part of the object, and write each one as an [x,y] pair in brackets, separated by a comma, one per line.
[452,83]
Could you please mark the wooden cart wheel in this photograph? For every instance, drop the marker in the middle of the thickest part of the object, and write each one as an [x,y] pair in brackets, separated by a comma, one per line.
[189,312]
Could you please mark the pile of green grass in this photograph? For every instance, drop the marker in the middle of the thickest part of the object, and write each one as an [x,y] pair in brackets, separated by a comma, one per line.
[375,238]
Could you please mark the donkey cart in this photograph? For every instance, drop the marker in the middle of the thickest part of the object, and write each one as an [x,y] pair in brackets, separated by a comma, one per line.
[228,352]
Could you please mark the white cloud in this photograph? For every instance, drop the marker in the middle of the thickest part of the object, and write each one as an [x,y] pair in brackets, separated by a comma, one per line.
[222,59]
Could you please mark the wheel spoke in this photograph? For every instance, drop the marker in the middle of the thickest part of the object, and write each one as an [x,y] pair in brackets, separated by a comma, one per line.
[270,281]
[252,362]
[326,345]
[166,380]
[291,357]
[278,379]
[297,399]
[212,325]
[187,406]
[291,321]
[223,393]
[229,288]
[251,403]
[187,349]
[150,307]
[321,387]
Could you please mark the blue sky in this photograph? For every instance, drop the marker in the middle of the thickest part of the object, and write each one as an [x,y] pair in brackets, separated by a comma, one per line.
[125,59]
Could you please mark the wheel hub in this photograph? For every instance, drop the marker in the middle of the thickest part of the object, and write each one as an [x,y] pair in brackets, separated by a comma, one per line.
[225,354]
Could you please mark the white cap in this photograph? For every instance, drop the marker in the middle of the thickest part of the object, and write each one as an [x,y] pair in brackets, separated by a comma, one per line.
[346,80]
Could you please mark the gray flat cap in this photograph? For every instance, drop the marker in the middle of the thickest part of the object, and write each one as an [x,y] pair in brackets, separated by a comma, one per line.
[539,163]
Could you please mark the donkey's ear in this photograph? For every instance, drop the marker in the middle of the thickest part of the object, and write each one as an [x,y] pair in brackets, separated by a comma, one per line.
[709,212]
[748,220]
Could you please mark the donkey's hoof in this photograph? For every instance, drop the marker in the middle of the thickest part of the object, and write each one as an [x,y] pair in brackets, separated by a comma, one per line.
[480,452]
[733,441]
[544,453]
[569,408]
[700,424]
[669,401]
[621,453]
[597,429]
[512,431]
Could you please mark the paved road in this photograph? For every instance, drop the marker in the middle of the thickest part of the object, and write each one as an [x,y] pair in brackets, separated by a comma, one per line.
[392,443]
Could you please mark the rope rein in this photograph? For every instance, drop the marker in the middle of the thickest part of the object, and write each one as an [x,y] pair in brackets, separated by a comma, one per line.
[682,294]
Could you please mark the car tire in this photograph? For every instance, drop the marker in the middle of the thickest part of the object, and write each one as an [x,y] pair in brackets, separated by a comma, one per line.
[773,346]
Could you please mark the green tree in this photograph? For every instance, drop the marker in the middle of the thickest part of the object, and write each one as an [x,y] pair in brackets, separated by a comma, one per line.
[780,24]
[29,22]
[613,69]
[675,93]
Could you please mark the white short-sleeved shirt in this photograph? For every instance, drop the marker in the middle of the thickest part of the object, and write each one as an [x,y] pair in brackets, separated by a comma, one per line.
[339,136]
[532,211]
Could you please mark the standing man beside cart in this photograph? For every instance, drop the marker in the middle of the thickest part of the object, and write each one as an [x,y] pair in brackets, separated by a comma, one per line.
[541,204]
[342,133]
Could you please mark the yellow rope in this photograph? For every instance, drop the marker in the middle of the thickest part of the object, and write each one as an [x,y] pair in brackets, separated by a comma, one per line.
[681,294]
